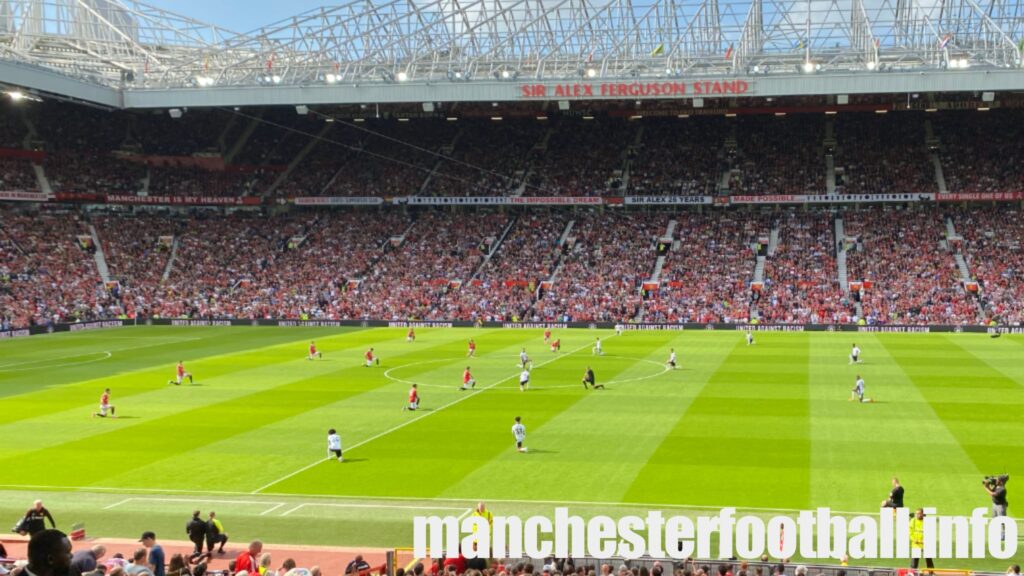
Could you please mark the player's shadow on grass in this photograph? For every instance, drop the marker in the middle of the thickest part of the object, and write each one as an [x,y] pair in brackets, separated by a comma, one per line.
[354,460]
[541,451]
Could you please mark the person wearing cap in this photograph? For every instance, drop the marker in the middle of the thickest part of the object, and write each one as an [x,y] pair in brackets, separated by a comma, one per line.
[157,560]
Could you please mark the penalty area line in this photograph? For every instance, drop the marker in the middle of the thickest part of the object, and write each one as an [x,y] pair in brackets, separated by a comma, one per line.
[416,419]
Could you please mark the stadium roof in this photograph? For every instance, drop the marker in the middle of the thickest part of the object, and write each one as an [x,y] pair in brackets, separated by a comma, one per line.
[128,54]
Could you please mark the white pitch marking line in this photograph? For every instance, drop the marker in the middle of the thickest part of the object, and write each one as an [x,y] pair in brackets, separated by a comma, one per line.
[418,418]
[290,510]
[269,510]
[592,503]
[378,506]
[116,504]
[7,367]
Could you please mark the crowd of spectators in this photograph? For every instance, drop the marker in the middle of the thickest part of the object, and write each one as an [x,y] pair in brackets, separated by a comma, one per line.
[439,251]
[90,172]
[882,154]
[47,275]
[17,174]
[763,170]
[582,157]
[506,286]
[913,279]
[993,246]
[981,152]
[488,160]
[395,158]
[607,260]
[679,157]
[801,281]
[378,263]
[707,275]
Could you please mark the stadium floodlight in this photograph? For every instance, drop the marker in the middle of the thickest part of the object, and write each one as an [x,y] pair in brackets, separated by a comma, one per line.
[807,67]
[18,96]
[275,79]
[332,78]
[591,72]
[403,76]
[302,110]
[204,81]
[871,65]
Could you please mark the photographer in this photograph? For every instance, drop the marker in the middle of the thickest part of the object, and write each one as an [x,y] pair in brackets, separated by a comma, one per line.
[996,488]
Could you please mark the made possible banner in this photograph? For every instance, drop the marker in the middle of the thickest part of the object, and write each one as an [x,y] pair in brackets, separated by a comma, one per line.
[830,198]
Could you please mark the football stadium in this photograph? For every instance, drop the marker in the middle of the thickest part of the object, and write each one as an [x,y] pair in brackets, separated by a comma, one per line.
[277,300]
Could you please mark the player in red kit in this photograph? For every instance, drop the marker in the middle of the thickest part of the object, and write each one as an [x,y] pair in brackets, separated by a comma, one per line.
[371,358]
[181,375]
[467,380]
[414,399]
[411,336]
[313,353]
[547,335]
[472,349]
[105,406]
[556,346]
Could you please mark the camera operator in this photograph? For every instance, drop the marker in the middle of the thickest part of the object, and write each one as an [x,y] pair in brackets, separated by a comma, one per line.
[997,490]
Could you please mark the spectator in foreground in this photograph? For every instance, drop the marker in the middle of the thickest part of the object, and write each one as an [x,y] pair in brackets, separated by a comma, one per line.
[86,560]
[49,554]
[138,567]
[357,565]
[157,560]
[248,561]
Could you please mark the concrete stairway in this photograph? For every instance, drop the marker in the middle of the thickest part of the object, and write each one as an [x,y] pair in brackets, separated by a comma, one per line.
[98,256]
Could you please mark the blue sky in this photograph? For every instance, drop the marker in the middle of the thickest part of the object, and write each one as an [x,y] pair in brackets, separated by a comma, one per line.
[240,15]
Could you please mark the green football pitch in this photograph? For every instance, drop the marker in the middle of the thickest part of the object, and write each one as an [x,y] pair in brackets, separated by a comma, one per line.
[764,428]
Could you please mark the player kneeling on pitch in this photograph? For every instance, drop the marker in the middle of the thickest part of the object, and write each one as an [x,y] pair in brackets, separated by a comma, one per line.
[371,358]
[105,405]
[519,433]
[414,399]
[857,392]
[313,352]
[467,380]
[181,374]
[588,379]
[334,445]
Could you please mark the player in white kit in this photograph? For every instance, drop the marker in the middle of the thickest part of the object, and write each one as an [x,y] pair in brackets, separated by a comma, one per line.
[519,433]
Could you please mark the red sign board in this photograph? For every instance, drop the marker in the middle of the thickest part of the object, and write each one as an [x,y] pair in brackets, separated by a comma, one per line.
[662,89]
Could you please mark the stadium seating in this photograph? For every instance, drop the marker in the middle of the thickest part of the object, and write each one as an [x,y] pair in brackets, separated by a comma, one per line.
[913,280]
[992,246]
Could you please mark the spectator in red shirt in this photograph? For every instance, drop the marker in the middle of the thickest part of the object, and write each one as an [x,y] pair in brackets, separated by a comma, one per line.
[248,560]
